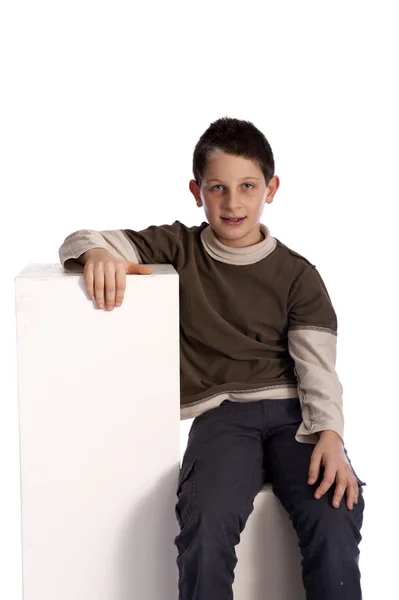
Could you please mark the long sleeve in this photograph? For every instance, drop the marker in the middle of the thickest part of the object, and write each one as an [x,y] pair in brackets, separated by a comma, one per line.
[157,244]
[312,343]
[86,239]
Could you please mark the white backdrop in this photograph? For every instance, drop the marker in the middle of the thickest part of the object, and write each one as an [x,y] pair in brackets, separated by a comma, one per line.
[101,106]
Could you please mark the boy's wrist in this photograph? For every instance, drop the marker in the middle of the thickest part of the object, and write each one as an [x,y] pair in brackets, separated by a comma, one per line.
[330,433]
[93,252]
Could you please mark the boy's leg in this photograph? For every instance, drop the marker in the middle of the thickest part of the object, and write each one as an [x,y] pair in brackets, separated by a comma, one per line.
[221,474]
[328,536]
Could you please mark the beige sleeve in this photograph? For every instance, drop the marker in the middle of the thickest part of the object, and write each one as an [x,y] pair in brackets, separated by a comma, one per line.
[312,343]
[319,388]
[114,240]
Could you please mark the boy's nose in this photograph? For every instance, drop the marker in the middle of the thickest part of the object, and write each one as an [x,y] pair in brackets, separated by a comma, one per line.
[231,204]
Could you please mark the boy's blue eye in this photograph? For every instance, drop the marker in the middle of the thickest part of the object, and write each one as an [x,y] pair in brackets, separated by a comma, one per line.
[220,185]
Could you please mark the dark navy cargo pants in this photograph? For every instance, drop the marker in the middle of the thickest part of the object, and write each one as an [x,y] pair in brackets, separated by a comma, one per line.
[232,451]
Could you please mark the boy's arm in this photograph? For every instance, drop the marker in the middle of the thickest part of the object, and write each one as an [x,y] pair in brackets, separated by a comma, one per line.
[312,343]
[79,242]
[157,244]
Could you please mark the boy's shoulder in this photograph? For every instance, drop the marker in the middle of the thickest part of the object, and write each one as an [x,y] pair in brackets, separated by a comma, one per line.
[294,256]
[178,227]
[191,228]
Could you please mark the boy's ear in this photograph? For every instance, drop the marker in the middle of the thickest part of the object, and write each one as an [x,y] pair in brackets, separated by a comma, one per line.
[194,189]
[273,186]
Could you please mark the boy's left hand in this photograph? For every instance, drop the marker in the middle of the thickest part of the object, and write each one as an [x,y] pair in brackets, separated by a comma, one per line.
[329,452]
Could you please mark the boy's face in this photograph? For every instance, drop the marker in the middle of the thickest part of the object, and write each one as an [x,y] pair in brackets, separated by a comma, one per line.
[234,186]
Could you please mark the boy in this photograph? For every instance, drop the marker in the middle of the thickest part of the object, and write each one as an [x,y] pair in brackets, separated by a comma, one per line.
[258,339]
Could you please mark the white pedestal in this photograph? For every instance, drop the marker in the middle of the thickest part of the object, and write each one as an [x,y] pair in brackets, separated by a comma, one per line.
[269,559]
[99,437]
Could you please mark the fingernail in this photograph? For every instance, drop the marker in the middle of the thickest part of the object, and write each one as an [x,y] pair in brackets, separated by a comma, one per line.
[117,303]
[100,306]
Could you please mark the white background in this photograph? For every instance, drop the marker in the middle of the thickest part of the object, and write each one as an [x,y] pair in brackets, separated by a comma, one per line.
[101,106]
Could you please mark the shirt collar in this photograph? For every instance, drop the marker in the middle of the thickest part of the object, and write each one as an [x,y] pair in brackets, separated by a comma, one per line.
[237,256]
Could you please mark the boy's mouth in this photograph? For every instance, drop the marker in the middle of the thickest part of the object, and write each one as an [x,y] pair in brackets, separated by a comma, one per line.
[233,220]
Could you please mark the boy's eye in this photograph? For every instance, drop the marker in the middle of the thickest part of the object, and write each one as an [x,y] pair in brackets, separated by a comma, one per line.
[220,185]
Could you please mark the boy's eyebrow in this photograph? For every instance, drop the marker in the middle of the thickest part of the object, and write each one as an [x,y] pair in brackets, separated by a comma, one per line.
[242,178]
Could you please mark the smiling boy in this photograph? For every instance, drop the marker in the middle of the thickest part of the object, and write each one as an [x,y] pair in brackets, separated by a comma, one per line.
[258,335]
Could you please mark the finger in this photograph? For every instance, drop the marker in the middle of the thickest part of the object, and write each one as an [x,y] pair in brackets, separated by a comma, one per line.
[109,276]
[314,468]
[120,278]
[356,487]
[339,492]
[134,268]
[328,480]
[99,284]
[88,277]
[352,494]
[145,270]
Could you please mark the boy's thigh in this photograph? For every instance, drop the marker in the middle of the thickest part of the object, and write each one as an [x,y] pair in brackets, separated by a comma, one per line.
[222,467]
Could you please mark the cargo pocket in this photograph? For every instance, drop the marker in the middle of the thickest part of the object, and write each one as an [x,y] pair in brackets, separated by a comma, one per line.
[186,492]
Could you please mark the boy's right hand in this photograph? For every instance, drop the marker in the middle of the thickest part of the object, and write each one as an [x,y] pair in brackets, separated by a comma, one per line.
[105,276]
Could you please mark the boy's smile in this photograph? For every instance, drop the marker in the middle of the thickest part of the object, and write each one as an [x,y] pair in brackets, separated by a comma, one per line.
[234,187]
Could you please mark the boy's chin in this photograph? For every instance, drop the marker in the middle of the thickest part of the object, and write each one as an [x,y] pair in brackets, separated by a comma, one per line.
[236,233]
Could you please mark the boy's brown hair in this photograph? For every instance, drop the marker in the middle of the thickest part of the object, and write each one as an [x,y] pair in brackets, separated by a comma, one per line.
[237,137]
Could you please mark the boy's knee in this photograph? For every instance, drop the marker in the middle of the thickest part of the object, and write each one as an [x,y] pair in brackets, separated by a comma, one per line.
[320,520]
